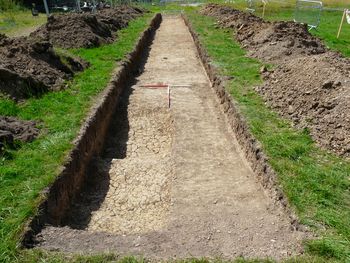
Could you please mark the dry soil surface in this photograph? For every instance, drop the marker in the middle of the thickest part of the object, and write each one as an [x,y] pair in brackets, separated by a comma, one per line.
[173,183]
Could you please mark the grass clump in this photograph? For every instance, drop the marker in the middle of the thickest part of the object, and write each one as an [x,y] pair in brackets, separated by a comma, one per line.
[60,114]
[316,183]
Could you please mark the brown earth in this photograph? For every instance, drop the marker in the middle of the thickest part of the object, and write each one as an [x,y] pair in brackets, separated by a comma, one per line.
[309,85]
[86,30]
[30,68]
[12,129]
[173,183]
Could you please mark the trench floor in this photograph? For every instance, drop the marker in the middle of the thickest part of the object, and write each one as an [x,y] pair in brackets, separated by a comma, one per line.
[173,183]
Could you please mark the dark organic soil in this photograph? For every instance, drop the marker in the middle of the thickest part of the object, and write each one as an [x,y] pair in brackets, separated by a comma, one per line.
[85,30]
[310,84]
[29,67]
[12,129]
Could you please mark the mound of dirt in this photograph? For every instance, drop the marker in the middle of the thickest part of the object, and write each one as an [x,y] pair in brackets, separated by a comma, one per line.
[310,84]
[12,129]
[74,31]
[315,95]
[29,67]
[266,40]
[118,18]
[85,30]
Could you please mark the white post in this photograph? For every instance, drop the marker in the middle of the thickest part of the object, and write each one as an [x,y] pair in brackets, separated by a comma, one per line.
[341,23]
[46,8]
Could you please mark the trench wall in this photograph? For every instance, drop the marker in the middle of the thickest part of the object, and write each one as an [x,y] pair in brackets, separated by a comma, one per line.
[251,148]
[90,141]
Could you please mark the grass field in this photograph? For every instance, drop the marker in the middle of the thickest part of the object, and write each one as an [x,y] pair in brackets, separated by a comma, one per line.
[315,182]
[19,22]
[25,172]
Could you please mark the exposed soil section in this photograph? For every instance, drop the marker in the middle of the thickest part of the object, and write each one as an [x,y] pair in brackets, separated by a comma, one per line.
[89,143]
[86,30]
[12,129]
[30,68]
[310,84]
[173,183]
[129,192]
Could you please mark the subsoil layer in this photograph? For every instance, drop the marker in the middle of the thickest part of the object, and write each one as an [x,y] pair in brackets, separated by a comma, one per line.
[309,84]
[173,183]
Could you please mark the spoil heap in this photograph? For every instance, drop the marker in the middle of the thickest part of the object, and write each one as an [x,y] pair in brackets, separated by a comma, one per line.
[29,68]
[309,85]
[86,30]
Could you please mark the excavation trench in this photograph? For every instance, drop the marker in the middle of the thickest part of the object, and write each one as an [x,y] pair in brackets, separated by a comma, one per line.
[173,182]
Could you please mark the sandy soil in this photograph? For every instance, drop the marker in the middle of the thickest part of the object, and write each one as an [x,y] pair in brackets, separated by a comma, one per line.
[173,183]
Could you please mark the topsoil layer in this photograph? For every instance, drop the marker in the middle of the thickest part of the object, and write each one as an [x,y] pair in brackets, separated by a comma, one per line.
[29,67]
[309,85]
[86,30]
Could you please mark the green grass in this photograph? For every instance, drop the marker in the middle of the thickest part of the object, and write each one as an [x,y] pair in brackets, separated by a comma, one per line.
[25,172]
[19,22]
[316,183]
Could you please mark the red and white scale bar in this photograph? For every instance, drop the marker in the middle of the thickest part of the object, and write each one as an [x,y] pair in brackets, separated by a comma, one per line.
[168,86]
